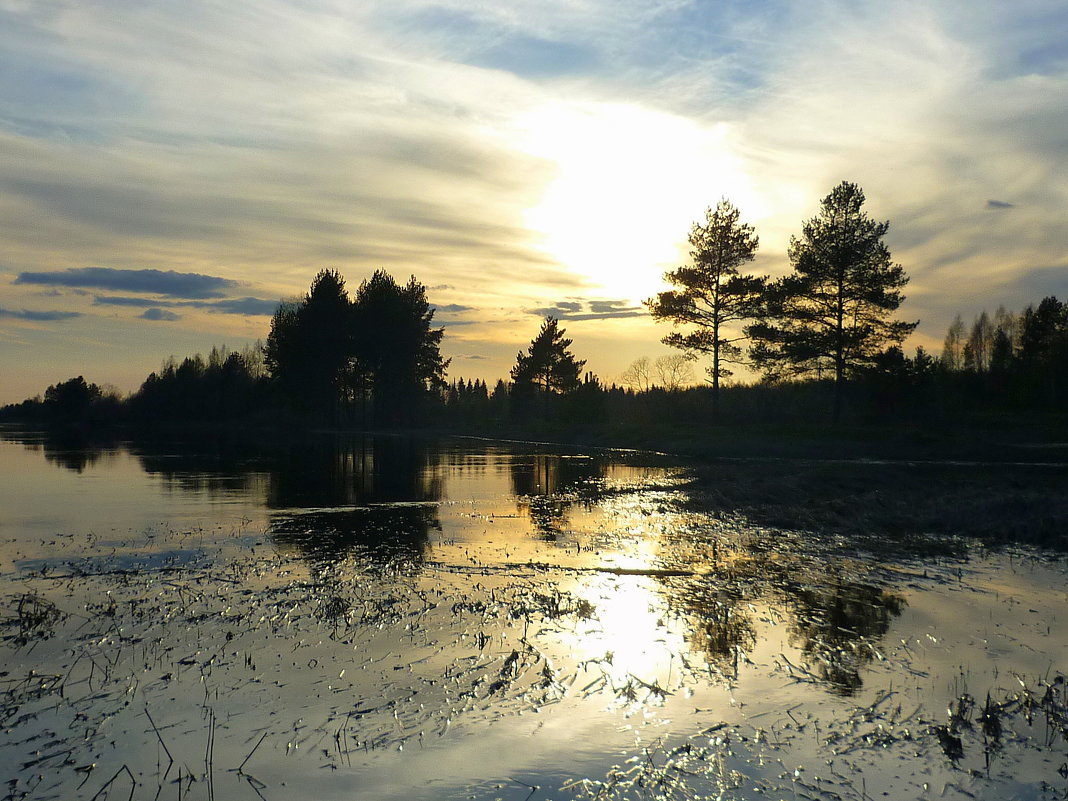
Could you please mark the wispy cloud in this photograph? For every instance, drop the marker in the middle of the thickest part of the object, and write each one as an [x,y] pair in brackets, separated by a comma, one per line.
[249,307]
[157,282]
[252,146]
[591,310]
[38,316]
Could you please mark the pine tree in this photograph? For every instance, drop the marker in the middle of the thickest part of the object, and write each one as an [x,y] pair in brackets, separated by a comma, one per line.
[713,294]
[548,363]
[838,302]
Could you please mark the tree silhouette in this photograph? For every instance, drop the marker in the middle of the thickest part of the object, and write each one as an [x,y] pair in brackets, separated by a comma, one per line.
[713,293]
[379,348]
[548,363]
[309,349]
[396,349]
[837,303]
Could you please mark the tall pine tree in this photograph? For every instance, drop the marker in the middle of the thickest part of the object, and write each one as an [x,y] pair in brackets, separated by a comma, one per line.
[713,295]
[835,310]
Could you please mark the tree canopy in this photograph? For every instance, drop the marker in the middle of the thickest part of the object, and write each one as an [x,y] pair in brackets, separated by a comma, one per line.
[713,294]
[397,355]
[834,311]
[309,349]
[548,363]
[379,350]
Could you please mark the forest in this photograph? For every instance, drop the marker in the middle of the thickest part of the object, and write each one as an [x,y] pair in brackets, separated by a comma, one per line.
[823,339]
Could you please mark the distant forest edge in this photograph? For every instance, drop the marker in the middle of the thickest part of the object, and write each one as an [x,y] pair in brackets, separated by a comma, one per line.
[823,338]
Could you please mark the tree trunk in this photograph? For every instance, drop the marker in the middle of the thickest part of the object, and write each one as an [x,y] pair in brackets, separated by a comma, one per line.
[715,377]
[839,388]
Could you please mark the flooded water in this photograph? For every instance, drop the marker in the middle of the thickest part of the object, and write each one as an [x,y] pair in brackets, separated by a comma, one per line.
[389,618]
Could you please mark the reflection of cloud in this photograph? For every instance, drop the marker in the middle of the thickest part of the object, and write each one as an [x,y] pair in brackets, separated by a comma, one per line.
[160,314]
[38,316]
[157,282]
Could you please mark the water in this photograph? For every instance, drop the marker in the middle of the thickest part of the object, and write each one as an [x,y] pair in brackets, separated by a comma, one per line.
[396,618]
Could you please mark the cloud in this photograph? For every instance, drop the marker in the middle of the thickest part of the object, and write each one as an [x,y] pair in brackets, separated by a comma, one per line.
[593,310]
[612,307]
[158,282]
[452,308]
[39,316]
[559,310]
[122,300]
[160,315]
[249,307]
[536,58]
[999,204]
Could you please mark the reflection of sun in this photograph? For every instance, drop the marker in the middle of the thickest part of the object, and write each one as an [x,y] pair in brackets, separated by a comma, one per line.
[630,629]
[629,633]
[629,183]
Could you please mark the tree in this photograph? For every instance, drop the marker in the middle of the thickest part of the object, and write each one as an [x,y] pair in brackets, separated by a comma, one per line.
[837,304]
[327,351]
[674,371]
[396,349]
[548,363]
[714,295]
[979,345]
[71,401]
[309,347]
[637,377]
[953,346]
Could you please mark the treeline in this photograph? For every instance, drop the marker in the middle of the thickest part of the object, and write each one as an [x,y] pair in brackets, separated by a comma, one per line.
[1008,362]
[1005,367]
[823,337]
[225,386]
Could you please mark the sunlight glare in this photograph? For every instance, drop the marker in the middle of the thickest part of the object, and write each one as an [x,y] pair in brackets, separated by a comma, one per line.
[629,183]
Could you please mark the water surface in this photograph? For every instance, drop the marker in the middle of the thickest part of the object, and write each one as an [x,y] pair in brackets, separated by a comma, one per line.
[395,618]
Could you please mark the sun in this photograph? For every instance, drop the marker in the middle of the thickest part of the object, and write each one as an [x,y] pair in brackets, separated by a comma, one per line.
[629,182]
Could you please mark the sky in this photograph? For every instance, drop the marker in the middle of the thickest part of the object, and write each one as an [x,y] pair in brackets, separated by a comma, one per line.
[170,170]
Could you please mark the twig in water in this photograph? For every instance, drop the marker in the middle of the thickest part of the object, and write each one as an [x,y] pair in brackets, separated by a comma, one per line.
[240,768]
[209,755]
[107,784]
[159,736]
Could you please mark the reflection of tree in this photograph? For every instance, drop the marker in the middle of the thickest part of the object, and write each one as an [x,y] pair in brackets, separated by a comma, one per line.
[385,535]
[720,628]
[546,486]
[836,621]
[68,449]
[310,472]
[836,624]
[217,467]
[336,472]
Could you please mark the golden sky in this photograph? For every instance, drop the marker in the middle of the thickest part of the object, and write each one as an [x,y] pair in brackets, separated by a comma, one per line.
[170,170]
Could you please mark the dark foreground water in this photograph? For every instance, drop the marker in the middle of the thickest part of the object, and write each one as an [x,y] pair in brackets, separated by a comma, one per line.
[397,619]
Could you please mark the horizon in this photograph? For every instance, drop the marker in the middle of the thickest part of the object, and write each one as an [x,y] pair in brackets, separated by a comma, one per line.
[169,174]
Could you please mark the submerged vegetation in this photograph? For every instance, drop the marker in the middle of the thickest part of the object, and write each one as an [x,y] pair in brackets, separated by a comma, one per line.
[395,606]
